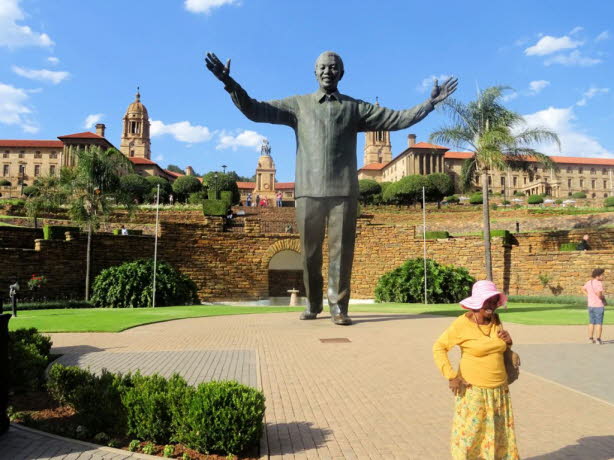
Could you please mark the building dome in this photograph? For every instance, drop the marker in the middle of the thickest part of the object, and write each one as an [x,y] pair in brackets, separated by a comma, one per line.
[266,162]
[137,107]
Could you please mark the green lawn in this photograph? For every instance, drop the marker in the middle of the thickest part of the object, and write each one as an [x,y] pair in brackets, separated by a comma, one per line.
[116,320]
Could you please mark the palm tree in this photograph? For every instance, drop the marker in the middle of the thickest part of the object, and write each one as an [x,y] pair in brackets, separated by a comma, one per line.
[498,139]
[93,186]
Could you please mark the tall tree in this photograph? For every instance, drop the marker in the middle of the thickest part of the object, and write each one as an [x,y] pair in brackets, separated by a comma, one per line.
[93,186]
[175,168]
[498,138]
[49,195]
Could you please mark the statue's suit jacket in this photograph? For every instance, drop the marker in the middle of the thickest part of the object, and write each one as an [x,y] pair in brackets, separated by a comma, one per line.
[326,128]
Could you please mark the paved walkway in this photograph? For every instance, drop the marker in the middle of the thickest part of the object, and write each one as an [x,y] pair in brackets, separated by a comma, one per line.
[377,394]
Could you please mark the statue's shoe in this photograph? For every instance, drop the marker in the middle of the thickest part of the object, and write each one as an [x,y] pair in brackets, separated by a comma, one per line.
[308,314]
[341,319]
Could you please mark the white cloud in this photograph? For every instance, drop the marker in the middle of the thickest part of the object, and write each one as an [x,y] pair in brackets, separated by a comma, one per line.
[602,36]
[574,142]
[247,138]
[536,86]
[92,119]
[13,108]
[205,6]
[574,58]
[13,35]
[183,131]
[510,96]
[53,60]
[591,93]
[548,45]
[50,76]
[159,158]
[576,30]
[427,84]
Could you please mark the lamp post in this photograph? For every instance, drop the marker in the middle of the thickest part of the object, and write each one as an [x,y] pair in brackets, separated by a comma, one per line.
[224,168]
[215,184]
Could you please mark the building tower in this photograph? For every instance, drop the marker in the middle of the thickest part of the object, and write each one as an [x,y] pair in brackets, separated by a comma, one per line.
[377,146]
[265,172]
[135,134]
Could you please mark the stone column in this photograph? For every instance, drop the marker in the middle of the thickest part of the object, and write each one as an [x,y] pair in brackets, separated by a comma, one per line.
[4,365]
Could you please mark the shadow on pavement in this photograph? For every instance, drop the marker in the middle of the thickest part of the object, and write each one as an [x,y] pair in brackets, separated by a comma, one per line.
[391,317]
[592,447]
[291,438]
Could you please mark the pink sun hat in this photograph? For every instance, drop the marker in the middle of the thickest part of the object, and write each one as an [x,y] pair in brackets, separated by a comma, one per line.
[480,293]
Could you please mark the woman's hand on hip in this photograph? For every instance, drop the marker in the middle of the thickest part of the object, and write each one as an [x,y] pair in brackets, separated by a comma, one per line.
[458,385]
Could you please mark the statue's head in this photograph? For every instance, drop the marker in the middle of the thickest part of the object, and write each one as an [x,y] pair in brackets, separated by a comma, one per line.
[329,70]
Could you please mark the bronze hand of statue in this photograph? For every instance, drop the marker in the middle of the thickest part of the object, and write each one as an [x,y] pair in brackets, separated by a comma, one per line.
[440,93]
[221,71]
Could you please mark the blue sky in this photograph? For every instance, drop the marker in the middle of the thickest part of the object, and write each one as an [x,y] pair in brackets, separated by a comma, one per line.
[65,62]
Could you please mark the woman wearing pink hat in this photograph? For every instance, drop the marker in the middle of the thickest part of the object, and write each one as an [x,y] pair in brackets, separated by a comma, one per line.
[483,425]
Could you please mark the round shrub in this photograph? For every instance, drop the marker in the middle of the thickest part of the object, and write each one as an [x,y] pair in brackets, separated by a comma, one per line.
[476,198]
[609,202]
[134,187]
[5,183]
[518,193]
[505,202]
[405,284]
[578,195]
[30,190]
[184,185]
[129,286]
[535,199]
[368,188]
[558,201]
[452,199]
[28,353]
[165,189]
[197,197]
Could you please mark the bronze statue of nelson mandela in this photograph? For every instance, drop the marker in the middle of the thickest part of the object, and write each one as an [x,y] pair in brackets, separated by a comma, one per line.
[326,124]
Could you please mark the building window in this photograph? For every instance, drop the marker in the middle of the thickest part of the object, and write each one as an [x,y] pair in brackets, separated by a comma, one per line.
[568,183]
[593,183]
[37,154]
[593,171]
[568,170]
[489,180]
[5,154]
[605,184]
[21,154]
[53,155]
[604,171]
[515,181]
[5,170]
[131,153]
[52,170]
[581,183]
[502,181]
[37,170]
[580,170]
[22,170]
[525,181]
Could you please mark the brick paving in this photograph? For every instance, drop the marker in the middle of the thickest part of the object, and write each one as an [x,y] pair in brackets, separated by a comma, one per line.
[379,396]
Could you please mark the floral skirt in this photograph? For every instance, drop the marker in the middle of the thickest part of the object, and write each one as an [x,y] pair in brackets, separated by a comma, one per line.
[483,426]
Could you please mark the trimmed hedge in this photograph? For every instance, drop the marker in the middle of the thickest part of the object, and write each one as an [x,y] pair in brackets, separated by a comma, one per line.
[609,202]
[578,195]
[476,198]
[226,195]
[452,199]
[535,199]
[505,234]
[215,207]
[437,235]
[5,183]
[118,231]
[568,247]
[28,354]
[57,232]
[220,417]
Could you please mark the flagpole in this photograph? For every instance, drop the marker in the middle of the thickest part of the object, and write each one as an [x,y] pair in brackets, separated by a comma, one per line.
[424,239]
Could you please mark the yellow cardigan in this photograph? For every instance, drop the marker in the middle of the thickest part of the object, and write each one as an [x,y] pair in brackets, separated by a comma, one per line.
[481,361]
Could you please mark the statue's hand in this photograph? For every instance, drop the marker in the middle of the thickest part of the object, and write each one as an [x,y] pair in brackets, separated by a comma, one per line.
[440,93]
[221,71]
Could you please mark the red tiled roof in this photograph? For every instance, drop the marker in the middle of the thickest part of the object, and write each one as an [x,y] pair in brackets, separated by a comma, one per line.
[556,159]
[246,185]
[173,173]
[142,161]
[284,186]
[426,145]
[373,166]
[85,135]
[29,143]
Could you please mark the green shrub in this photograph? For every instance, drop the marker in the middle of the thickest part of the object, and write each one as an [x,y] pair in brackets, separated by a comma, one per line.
[130,286]
[165,189]
[31,190]
[494,206]
[148,448]
[185,185]
[57,232]
[568,247]
[96,399]
[505,202]
[367,190]
[118,231]
[134,187]
[535,199]
[28,354]
[226,195]
[5,183]
[197,197]
[437,235]
[221,417]
[476,198]
[608,202]
[215,208]
[452,199]
[518,193]
[558,201]
[151,404]
[578,195]
[405,284]
[63,381]
[223,181]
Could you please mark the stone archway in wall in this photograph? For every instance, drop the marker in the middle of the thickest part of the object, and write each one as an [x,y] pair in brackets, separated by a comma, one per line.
[284,266]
